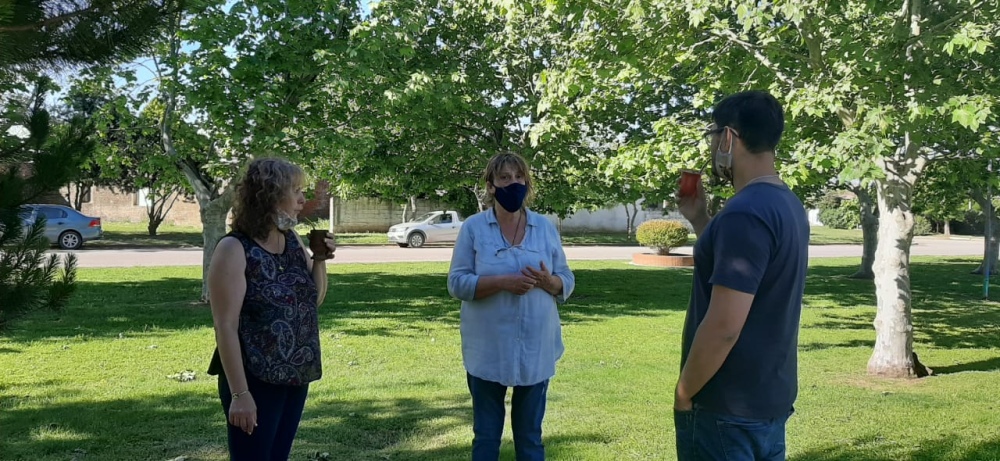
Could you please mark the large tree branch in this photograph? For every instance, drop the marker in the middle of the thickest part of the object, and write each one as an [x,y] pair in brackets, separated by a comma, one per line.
[53,21]
[756,52]
[939,27]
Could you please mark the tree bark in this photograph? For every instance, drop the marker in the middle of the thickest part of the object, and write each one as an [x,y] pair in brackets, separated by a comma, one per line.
[413,207]
[213,223]
[869,229]
[334,213]
[631,224]
[214,198]
[947,228]
[715,204]
[160,203]
[991,239]
[893,353]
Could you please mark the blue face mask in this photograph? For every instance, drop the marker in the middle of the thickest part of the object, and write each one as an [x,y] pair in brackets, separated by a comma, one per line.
[511,198]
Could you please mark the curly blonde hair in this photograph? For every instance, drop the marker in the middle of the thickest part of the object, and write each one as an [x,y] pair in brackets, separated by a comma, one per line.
[502,161]
[267,181]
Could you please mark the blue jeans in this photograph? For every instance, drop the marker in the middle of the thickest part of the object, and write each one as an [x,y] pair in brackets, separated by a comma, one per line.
[526,413]
[707,436]
[279,410]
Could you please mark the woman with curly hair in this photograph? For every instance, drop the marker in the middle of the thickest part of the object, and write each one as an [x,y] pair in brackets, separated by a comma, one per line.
[265,287]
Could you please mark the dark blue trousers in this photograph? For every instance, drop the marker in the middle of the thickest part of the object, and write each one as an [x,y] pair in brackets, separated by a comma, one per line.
[279,410]
[707,436]
[488,412]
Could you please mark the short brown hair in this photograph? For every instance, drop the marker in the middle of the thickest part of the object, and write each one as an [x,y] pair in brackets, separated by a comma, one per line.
[258,193]
[504,160]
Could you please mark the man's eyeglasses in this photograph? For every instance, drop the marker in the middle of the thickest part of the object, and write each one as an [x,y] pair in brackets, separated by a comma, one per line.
[714,130]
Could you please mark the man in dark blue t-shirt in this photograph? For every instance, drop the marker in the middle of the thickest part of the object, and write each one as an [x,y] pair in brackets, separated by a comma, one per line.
[738,379]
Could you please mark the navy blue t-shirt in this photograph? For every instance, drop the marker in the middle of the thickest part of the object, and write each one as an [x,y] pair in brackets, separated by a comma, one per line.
[757,244]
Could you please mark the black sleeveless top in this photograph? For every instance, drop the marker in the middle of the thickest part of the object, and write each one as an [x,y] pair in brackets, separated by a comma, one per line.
[279,325]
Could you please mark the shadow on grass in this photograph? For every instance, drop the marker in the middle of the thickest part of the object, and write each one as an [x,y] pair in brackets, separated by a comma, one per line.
[867,449]
[160,427]
[808,347]
[948,309]
[992,364]
[409,300]
[403,304]
[128,308]
[192,424]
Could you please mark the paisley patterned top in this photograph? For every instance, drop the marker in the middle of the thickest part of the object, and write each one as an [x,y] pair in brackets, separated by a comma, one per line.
[279,325]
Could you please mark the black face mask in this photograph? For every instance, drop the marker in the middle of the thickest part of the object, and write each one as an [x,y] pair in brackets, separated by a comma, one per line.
[511,198]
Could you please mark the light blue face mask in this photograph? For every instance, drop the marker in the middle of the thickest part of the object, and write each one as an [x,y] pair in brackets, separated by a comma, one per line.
[285,222]
[722,162]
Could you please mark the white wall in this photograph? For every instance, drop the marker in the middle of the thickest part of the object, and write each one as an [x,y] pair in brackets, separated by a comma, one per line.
[609,219]
[814,218]
[614,219]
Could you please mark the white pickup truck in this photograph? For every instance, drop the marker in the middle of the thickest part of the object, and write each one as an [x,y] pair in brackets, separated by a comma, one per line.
[433,227]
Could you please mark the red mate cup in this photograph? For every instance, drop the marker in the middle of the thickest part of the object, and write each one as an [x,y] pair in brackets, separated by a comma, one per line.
[317,243]
[689,183]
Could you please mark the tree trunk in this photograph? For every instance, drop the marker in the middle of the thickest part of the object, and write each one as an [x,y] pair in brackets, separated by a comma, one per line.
[947,228]
[154,224]
[635,215]
[479,197]
[214,198]
[159,206]
[75,193]
[403,218]
[991,237]
[893,354]
[715,204]
[413,207]
[869,229]
[629,218]
[213,223]
[334,212]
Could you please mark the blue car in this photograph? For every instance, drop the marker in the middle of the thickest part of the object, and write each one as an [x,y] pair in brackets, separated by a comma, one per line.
[64,226]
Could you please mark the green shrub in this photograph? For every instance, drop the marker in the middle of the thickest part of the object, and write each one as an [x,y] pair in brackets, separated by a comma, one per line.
[921,226]
[840,218]
[837,213]
[662,235]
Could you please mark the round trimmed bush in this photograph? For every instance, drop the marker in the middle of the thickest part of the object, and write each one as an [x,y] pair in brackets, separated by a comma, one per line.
[662,235]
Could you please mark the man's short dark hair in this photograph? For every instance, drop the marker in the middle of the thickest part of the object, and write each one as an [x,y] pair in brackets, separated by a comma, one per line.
[755,115]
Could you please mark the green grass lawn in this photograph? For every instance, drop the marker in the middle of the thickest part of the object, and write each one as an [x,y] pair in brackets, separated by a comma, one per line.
[94,382]
[131,235]
[821,235]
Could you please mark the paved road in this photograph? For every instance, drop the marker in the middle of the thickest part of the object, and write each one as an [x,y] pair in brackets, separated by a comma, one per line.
[368,254]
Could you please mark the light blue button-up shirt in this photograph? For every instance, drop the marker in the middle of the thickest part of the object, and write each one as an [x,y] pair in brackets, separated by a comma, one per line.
[514,340]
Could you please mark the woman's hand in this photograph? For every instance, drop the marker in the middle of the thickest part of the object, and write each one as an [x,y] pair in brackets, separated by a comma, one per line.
[544,279]
[331,247]
[243,413]
[520,284]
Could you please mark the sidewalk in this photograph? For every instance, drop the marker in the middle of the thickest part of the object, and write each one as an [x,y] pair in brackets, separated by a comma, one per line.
[389,254]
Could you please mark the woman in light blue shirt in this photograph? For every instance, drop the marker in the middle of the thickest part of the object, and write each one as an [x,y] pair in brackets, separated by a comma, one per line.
[511,336]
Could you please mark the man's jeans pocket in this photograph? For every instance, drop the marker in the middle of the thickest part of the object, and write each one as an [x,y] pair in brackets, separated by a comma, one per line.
[704,435]
[684,429]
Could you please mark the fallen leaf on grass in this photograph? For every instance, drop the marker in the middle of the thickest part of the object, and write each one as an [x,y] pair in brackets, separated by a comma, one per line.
[186,375]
